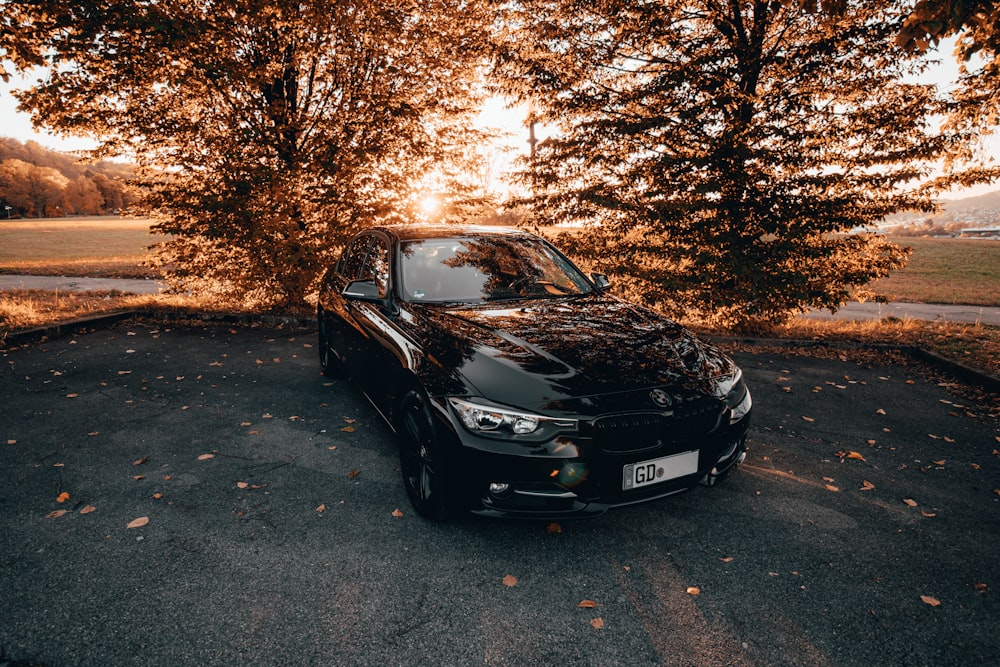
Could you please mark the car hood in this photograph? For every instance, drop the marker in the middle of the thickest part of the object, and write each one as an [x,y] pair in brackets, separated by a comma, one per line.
[542,353]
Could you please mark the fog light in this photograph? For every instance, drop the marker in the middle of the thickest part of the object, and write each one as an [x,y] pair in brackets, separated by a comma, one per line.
[497,488]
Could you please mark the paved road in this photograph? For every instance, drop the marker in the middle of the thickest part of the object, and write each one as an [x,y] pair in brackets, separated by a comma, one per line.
[79,284]
[270,491]
[913,311]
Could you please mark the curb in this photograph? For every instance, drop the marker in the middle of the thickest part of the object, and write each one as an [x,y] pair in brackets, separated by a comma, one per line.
[960,371]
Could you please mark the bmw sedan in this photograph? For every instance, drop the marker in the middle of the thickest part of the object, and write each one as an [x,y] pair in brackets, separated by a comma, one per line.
[519,386]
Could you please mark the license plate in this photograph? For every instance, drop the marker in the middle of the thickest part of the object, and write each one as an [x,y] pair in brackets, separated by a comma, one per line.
[659,470]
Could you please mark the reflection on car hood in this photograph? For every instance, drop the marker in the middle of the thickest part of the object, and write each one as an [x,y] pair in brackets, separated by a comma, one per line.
[537,352]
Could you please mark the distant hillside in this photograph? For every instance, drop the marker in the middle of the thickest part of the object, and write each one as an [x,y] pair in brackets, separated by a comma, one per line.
[69,165]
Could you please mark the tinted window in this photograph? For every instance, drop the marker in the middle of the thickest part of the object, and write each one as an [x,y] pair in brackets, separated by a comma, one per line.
[486,268]
[353,258]
[376,267]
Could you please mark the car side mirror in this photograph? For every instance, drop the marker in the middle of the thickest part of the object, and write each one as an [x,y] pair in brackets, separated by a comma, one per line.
[366,290]
[600,280]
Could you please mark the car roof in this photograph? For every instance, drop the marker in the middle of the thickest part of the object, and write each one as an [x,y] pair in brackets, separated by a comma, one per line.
[416,231]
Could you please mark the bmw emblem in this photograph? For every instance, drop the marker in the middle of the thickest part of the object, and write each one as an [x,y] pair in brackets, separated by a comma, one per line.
[660,397]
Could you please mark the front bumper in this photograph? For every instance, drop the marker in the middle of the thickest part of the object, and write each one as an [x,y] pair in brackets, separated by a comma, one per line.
[578,478]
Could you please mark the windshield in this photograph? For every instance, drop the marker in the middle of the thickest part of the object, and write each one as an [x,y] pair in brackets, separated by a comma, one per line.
[486,268]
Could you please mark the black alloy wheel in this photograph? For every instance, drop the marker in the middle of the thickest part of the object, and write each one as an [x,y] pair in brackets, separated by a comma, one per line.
[421,459]
[327,357]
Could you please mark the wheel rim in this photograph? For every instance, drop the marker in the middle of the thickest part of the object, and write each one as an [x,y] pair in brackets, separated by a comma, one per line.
[420,474]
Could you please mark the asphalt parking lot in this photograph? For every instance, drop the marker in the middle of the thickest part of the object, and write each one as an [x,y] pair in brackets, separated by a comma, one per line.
[181,493]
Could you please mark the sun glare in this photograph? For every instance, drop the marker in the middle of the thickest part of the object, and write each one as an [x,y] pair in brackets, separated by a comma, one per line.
[429,205]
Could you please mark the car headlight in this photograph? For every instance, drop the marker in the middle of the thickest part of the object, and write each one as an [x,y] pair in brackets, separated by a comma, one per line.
[737,397]
[485,419]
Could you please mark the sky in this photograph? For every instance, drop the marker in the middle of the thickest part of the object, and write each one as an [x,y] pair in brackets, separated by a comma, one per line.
[18,125]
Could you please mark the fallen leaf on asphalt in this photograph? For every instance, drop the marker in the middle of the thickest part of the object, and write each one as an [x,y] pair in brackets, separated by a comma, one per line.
[693,590]
[939,463]
[87,510]
[808,419]
[94,433]
[353,474]
[138,477]
[871,442]
[397,512]
[242,485]
[510,581]
[72,395]
[205,457]
[348,429]
[927,599]
[981,588]
[587,604]
[139,462]
[166,478]
[597,623]
[62,497]
[12,442]
[831,487]
[910,502]
[880,411]
[138,523]
[727,559]
[935,437]
[850,455]
[553,528]
[55,514]
[321,508]
[246,424]
[975,466]
[996,491]
[927,514]
[157,495]
[867,486]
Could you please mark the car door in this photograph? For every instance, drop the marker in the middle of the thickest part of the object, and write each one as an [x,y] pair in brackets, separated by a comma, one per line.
[372,340]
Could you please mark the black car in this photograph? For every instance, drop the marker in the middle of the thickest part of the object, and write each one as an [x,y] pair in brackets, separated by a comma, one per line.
[519,386]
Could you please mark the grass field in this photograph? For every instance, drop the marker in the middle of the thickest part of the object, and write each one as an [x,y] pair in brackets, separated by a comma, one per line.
[965,271]
[940,271]
[97,247]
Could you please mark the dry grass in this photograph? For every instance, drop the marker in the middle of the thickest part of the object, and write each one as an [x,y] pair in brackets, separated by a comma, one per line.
[28,309]
[974,345]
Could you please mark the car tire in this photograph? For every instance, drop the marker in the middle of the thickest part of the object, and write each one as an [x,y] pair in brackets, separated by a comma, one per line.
[328,363]
[421,459]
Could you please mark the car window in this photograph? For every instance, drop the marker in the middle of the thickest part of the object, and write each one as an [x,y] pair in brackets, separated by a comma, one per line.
[352,260]
[376,267]
[486,268]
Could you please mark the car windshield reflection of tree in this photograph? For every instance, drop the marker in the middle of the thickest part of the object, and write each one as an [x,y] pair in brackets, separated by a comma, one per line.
[477,270]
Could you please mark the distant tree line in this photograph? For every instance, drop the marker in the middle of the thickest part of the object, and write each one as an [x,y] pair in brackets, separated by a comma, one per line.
[36,182]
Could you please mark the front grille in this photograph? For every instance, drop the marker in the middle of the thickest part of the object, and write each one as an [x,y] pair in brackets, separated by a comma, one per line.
[644,431]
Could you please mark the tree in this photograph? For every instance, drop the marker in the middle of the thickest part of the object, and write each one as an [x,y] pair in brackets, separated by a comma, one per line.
[31,190]
[81,197]
[723,156]
[269,130]
[975,25]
